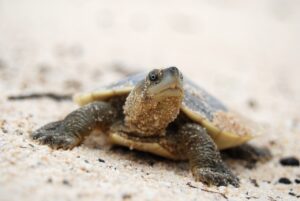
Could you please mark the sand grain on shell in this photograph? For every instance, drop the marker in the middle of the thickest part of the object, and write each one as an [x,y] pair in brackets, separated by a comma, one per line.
[228,122]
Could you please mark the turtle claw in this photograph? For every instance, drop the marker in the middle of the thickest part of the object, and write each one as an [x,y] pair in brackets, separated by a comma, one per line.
[216,177]
[54,135]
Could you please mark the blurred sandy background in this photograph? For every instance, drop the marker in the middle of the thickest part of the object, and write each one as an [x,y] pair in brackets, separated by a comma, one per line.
[244,52]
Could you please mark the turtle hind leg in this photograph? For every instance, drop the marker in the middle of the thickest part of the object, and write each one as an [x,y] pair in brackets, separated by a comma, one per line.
[249,153]
[76,126]
[204,158]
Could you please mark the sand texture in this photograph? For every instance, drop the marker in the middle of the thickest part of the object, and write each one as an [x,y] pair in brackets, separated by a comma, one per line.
[246,53]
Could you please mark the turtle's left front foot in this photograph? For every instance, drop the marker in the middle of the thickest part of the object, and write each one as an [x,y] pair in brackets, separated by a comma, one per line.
[204,157]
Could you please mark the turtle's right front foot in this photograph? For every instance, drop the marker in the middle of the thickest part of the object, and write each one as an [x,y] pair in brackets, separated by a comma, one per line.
[56,136]
[71,131]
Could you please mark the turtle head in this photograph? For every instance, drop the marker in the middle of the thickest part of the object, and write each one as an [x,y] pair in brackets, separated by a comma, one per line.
[154,102]
[163,83]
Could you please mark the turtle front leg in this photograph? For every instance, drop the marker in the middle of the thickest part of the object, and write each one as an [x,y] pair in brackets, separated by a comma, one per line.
[78,124]
[204,158]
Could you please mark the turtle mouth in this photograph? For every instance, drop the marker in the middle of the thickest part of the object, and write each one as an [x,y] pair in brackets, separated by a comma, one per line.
[172,90]
[169,89]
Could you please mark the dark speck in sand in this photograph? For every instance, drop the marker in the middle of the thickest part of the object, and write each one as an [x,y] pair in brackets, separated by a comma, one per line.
[284,180]
[289,161]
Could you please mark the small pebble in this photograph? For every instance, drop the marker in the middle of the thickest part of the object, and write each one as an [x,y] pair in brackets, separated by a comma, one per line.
[252,103]
[289,161]
[297,181]
[126,196]
[189,184]
[66,182]
[284,180]
[101,160]
[254,182]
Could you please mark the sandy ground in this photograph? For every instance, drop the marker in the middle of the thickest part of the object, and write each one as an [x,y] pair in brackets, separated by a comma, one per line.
[245,53]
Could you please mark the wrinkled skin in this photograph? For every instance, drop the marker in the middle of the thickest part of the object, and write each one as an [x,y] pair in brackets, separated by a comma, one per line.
[150,113]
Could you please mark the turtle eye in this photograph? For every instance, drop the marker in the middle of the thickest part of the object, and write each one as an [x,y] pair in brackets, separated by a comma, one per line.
[153,76]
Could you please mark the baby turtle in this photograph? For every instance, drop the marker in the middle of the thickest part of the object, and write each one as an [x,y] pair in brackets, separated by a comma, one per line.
[162,113]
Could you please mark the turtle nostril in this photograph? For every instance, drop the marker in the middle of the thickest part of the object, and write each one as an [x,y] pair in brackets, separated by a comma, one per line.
[173,69]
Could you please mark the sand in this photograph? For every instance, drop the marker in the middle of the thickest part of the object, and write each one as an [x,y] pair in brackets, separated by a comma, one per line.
[245,53]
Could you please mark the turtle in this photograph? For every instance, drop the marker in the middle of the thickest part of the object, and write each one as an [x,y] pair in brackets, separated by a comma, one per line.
[163,113]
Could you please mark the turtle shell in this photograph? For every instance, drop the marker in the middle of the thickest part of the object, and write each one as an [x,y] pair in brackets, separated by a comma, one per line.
[226,128]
